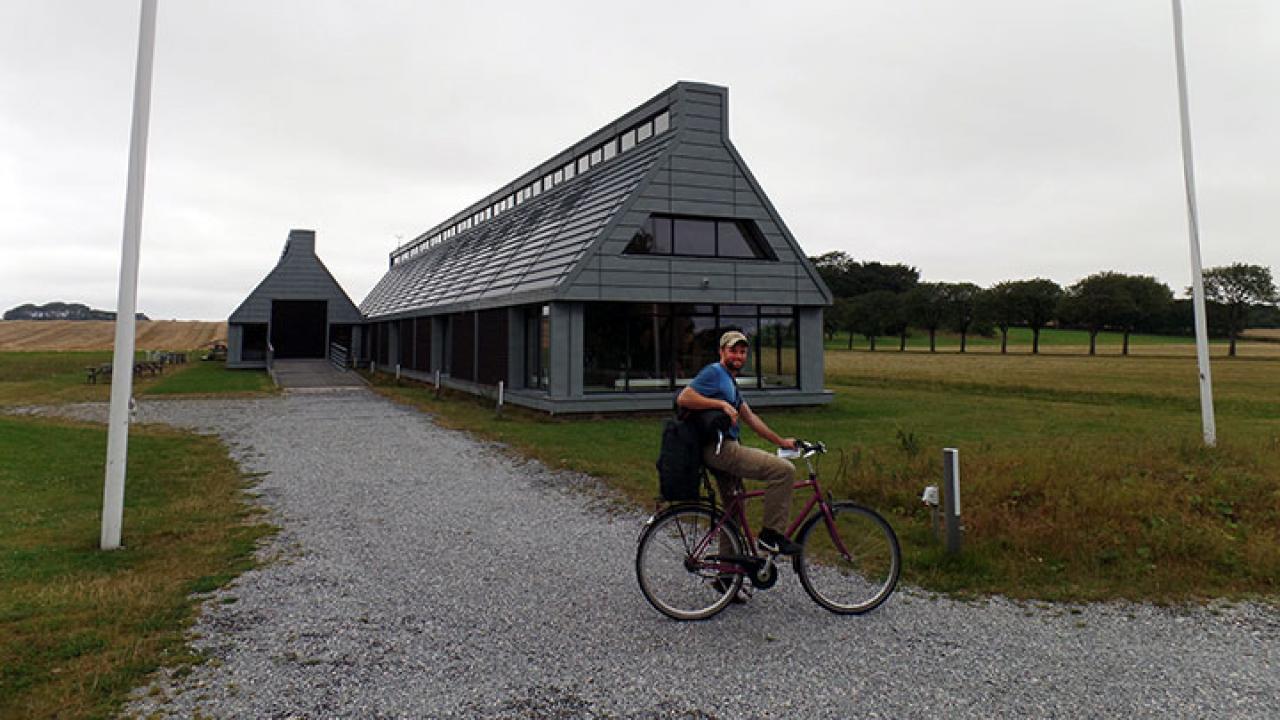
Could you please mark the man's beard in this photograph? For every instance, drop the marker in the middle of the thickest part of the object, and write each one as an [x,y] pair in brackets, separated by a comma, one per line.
[734,366]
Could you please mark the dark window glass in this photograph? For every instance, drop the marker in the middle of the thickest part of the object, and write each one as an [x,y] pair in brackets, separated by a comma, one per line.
[648,341]
[661,123]
[628,140]
[694,237]
[642,242]
[537,346]
[644,132]
[778,356]
[604,347]
[695,345]
[694,309]
[253,341]
[661,235]
[544,348]
[732,242]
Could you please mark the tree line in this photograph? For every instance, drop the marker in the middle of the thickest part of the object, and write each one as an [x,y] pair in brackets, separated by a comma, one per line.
[875,299]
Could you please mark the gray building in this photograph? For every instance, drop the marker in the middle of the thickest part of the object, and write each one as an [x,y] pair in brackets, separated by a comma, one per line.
[297,311]
[600,279]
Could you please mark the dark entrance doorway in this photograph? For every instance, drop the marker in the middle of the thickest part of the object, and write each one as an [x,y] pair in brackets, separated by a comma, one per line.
[298,328]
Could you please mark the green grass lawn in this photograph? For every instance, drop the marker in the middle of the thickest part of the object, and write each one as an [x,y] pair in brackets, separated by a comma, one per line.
[209,378]
[1084,478]
[28,378]
[80,628]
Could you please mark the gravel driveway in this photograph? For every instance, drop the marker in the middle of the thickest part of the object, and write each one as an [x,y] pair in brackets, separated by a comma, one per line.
[421,573]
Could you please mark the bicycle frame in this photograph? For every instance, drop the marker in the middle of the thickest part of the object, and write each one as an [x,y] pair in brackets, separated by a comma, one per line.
[735,508]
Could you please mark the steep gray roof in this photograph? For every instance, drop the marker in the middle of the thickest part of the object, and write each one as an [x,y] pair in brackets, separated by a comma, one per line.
[568,243]
[299,275]
[526,251]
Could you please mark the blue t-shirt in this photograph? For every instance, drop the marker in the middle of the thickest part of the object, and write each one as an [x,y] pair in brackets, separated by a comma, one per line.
[714,381]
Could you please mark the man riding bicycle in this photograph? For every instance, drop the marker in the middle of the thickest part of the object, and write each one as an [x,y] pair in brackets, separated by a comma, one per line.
[716,388]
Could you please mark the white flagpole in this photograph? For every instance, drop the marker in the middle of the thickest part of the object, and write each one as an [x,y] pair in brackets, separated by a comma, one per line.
[127,306]
[1193,223]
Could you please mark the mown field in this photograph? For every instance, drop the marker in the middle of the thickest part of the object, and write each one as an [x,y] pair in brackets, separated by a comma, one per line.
[80,628]
[1085,478]
[31,335]
[1067,342]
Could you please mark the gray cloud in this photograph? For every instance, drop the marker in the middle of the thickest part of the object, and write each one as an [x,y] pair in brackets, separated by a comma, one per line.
[977,141]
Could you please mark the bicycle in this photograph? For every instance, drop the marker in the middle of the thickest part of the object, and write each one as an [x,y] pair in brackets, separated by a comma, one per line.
[691,560]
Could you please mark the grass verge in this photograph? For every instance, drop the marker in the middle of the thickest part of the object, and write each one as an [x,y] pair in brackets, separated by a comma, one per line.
[28,378]
[80,628]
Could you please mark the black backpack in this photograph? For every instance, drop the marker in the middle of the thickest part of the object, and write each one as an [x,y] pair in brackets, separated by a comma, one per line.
[680,470]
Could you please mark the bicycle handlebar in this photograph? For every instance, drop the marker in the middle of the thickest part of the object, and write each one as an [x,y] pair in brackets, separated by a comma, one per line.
[808,448]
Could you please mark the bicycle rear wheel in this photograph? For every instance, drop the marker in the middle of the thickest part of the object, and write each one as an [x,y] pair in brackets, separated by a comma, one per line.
[854,570]
[676,563]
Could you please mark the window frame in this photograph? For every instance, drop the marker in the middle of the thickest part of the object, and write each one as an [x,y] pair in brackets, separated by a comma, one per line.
[747,228]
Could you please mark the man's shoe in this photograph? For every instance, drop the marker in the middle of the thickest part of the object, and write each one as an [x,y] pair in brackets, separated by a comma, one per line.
[772,541]
[722,585]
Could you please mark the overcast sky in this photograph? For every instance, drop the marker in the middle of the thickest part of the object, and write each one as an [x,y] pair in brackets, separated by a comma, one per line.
[980,141]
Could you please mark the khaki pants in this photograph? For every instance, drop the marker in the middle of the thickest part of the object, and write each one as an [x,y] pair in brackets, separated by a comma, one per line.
[735,462]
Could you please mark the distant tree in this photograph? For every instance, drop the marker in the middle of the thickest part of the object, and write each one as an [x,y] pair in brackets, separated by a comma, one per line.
[926,306]
[61,311]
[900,321]
[1238,288]
[871,276]
[1097,302]
[840,317]
[1037,302]
[871,314]
[1000,304]
[964,308]
[1151,300]
[847,277]
[834,269]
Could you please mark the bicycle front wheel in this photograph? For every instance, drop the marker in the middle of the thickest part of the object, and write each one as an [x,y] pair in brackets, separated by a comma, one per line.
[678,567]
[849,565]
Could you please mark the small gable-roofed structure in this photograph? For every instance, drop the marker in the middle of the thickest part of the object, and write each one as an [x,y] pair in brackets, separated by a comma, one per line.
[295,312]
[600,279]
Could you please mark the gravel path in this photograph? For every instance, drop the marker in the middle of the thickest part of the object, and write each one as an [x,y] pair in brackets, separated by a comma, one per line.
[421,573]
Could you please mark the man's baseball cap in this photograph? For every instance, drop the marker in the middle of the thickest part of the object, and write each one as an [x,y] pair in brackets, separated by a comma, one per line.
[731,338]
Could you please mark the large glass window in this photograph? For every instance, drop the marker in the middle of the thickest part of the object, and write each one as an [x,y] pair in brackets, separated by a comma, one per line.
[777,341]
[537,346]
[604,351]
[633,347]
[693,237]
[699,237]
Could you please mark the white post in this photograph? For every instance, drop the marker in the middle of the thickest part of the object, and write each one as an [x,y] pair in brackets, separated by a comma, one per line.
[501,385]
[127,304]
[397,371]
[1193,226]
[951,498]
